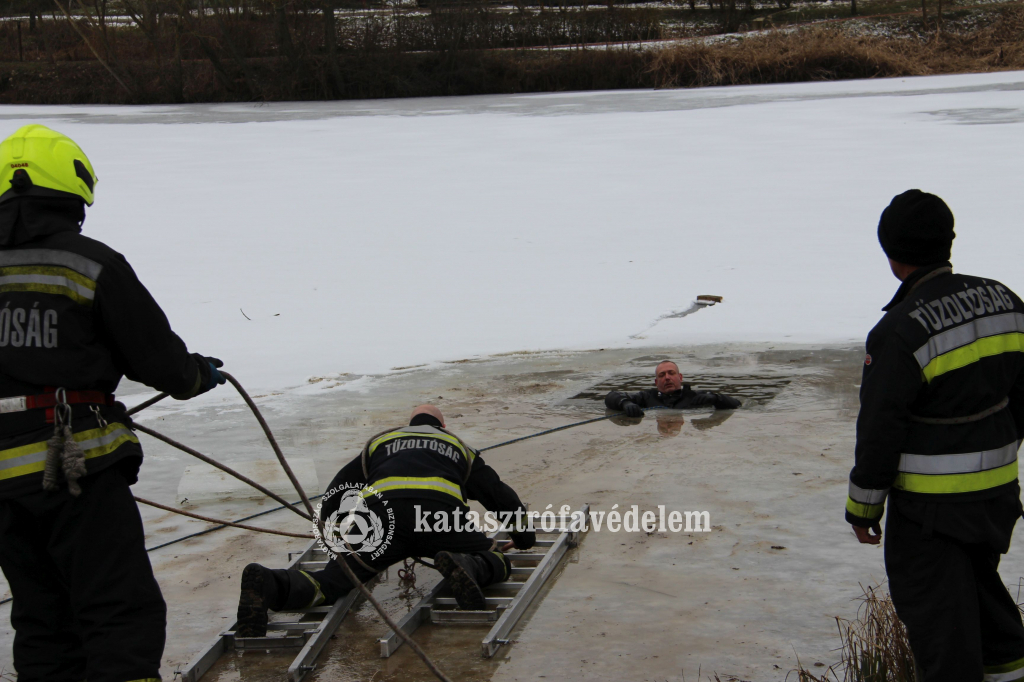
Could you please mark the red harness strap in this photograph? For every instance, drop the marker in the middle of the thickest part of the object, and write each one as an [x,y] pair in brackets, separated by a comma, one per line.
[48,400]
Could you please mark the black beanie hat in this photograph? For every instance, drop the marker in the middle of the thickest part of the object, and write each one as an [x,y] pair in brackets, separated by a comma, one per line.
[917,229]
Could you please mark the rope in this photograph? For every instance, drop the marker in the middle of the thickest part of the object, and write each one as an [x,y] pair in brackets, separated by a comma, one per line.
[567,426]
[222,523]
[226,469]
[351,575]
[193,535]
[151,401]
[273,442]
[210,530]
[346,569]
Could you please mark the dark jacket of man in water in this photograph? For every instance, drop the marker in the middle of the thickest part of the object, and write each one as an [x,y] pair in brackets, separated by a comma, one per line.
[940,423]
[669,392]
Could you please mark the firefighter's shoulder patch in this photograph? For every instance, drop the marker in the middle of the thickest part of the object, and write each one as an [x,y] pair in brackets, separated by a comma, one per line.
[867,359]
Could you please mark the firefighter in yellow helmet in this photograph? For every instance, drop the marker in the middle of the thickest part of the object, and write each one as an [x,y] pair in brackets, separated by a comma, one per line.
[74,319]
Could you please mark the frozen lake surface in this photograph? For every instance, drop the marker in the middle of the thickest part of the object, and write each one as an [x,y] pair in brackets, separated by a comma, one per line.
[350,260]
[302,239]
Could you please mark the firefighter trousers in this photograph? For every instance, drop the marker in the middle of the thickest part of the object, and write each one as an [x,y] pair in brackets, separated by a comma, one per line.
[962,623]
[86,604]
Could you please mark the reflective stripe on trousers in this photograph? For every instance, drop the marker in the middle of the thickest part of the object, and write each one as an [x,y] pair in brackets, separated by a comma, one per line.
[1007,672]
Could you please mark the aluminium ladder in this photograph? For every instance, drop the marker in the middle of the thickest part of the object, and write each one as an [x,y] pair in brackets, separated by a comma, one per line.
[308,628]
[508,600]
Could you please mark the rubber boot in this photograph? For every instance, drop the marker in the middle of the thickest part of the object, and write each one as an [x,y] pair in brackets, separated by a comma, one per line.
[265,589]
[465,573]
[259,592]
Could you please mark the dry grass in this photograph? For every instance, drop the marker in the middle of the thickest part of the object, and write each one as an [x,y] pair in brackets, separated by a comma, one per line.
[830,54]
[808,54]
[874,647]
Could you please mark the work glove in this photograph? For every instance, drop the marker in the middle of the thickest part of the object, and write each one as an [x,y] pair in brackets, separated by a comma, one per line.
[631,409]
[209,377]
[523,540]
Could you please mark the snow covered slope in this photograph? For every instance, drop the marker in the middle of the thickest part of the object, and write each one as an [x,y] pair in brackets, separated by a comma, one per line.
[361,236]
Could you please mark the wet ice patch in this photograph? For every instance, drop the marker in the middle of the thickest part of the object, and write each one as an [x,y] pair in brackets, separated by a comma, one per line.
[203,483]
[981,115]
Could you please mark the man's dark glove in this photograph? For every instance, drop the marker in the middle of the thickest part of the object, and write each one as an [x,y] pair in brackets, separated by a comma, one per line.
[631,409]
[209,377]
[523,540]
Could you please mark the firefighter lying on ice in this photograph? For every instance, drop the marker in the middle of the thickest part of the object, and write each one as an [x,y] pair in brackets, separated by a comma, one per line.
[409,478]
[941,418]
[73,320]
[669,392]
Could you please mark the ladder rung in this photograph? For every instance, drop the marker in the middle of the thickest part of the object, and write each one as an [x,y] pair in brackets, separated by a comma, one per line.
[311,609]
[491,601]
[291,625]
[523,570]
[312,565]
[507,585]
[526,556]
[270,642]
[455,616]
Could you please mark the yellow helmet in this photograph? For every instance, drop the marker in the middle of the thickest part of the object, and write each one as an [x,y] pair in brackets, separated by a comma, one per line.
[37,161]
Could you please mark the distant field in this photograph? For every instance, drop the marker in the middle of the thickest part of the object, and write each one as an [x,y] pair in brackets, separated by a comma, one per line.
[155,51]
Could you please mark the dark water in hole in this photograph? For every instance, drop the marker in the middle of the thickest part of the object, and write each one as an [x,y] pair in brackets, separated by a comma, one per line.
[750,388]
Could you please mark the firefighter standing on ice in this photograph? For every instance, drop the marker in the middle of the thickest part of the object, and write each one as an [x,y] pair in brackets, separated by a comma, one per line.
[941,418]
[411,477]
[73,320]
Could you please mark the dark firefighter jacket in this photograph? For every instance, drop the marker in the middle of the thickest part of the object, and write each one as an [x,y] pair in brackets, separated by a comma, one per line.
[426,462]
[74,315]
[682,399]
[942,398]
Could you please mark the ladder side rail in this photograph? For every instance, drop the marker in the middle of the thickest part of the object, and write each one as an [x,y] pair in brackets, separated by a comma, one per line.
[202,663]
[524,597]
[305,555]
[224,642]
[303,663]
[496,637]
[390,642]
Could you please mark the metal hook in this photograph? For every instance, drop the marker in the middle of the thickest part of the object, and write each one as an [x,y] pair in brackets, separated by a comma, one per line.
[99,417]
[61,409]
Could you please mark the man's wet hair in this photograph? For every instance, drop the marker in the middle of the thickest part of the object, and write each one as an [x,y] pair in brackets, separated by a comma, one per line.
[671,362]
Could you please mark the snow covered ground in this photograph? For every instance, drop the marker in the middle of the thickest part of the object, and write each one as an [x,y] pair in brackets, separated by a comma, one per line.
[360,236]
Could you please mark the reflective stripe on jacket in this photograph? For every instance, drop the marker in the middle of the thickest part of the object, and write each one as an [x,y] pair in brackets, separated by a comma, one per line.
[417,461]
